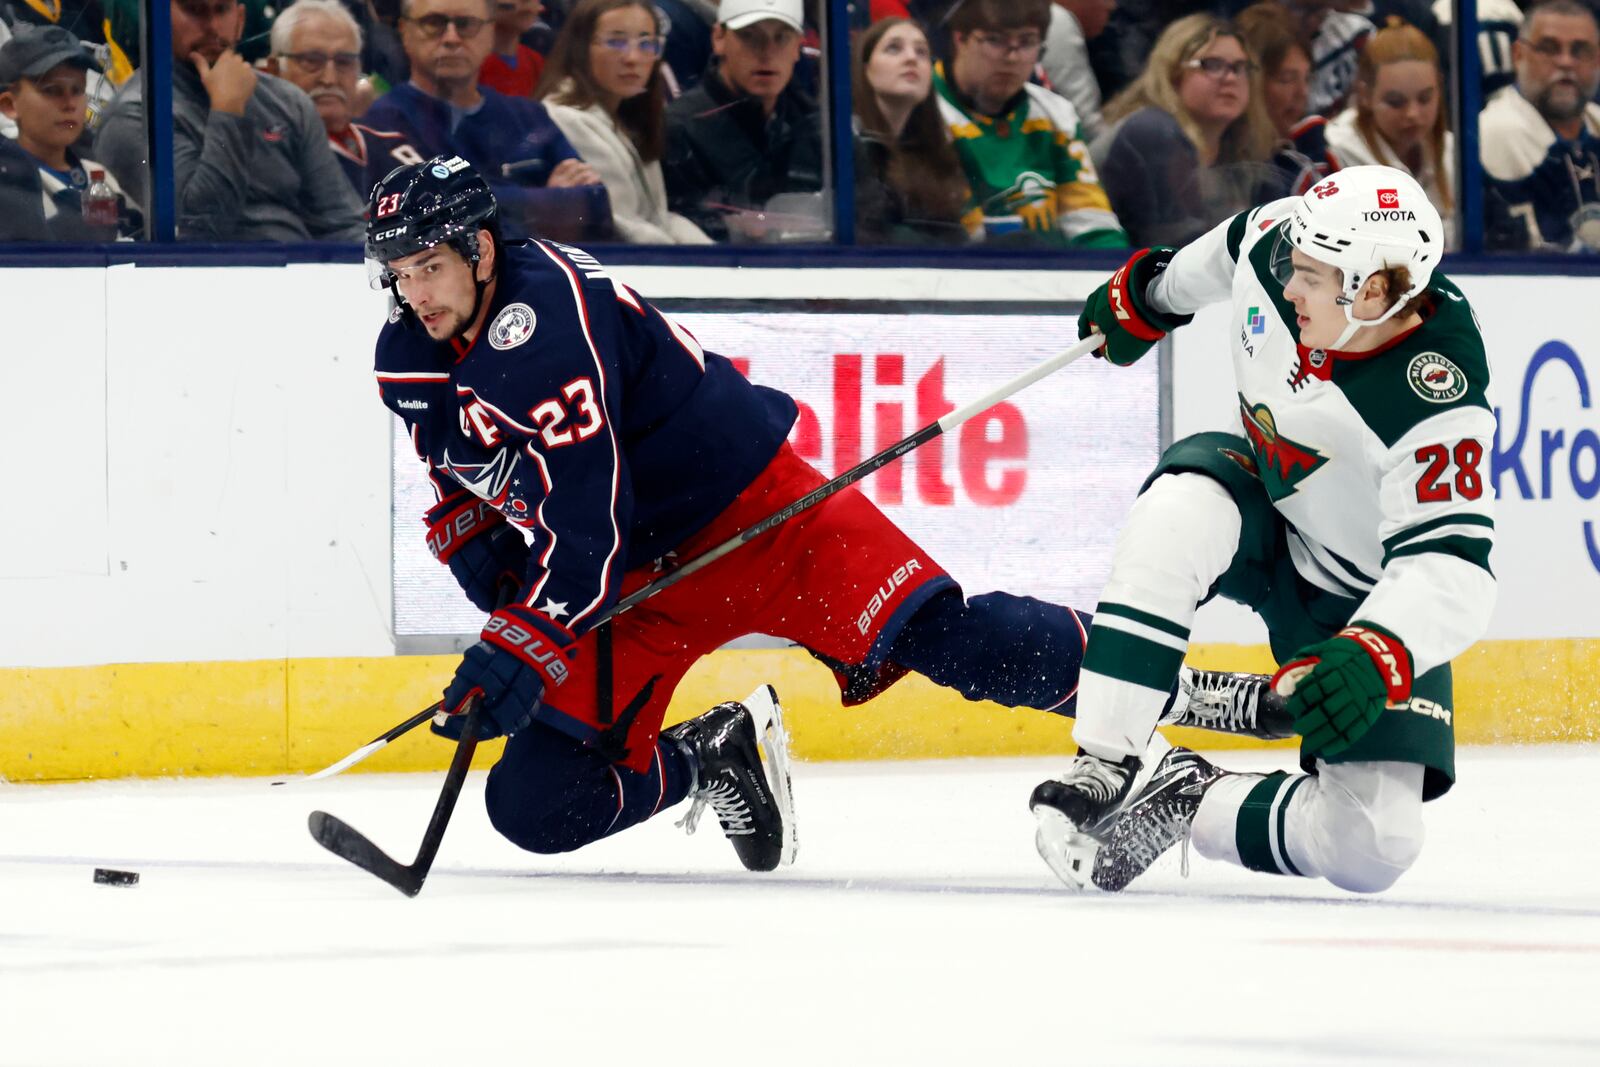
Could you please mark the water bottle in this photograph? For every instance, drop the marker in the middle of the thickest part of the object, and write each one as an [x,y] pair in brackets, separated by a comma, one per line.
[100,207]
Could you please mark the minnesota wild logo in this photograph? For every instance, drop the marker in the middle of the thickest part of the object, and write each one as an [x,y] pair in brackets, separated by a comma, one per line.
[1283,463]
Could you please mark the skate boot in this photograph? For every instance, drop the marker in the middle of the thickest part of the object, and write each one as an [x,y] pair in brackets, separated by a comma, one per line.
[1230,703]
[1075,810]
[1158,817]
[740,753]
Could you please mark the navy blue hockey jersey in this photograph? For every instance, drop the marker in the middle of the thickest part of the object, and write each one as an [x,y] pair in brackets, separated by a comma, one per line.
[586,417]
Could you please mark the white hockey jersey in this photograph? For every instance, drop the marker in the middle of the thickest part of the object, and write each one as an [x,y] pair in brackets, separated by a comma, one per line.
[1378,461]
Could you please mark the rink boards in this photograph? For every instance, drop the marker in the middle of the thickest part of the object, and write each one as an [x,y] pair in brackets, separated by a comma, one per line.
[213,509]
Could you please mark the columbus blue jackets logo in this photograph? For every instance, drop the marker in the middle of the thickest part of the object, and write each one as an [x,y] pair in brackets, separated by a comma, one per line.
[491,480]
[511,327]
[1281,463]
[1435,379]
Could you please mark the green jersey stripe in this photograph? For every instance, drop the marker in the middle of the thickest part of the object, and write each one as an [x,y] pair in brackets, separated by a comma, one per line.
[1421,528]
[1236,230]
[1474,550]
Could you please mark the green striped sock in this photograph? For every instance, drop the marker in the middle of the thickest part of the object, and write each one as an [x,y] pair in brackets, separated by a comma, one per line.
[1130,645]
[1259,828]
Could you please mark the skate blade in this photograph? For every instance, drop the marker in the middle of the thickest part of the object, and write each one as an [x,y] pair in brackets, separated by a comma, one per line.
[773,740]
[1064,848]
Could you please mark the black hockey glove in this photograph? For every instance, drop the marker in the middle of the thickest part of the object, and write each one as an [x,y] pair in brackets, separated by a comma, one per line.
[519,653]
[485,553]
[1119,310]
[1337,689]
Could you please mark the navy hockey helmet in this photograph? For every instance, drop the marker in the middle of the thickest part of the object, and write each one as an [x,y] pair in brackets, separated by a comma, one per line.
[443,201]
[420,205]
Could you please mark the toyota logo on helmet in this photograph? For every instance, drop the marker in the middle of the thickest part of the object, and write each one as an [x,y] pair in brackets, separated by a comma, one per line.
[1363,220]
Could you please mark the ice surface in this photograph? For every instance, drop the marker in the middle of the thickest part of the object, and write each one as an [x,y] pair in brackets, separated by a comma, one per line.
[918,927]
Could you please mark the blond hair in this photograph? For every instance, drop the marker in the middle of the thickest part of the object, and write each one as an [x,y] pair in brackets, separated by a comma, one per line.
[1400,42]
[1248,138]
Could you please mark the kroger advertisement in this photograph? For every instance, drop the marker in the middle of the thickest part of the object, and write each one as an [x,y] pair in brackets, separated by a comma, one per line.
[1545,353]
[1026,496]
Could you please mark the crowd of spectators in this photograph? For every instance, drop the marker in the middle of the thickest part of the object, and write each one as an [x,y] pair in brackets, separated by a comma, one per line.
[1029,123]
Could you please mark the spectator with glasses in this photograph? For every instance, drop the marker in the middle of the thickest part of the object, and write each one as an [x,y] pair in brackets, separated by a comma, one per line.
[1397,117]
[746,134]
[512,67]
[1020,145]
[604,90]
[910,187]
[250,155]
[542,185]
[1541,136]
[1189,141]
[316,44]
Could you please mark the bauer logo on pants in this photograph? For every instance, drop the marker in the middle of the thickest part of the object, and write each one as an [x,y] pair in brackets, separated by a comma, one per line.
[511,327]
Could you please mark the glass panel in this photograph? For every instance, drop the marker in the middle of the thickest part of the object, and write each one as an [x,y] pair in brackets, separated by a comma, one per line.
[1539,130]
[744,159]
[60,67]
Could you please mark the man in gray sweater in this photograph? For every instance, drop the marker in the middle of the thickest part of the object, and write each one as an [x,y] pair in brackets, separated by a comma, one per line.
[250,156]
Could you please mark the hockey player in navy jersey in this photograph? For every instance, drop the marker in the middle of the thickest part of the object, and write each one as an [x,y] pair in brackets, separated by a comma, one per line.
[579,441]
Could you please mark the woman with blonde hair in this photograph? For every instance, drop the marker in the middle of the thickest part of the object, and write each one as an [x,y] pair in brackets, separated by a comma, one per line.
[602,85]
[1189,142]
[1397,116]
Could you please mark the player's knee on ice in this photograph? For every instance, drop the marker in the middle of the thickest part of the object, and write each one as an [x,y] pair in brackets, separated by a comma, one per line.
[1362,823]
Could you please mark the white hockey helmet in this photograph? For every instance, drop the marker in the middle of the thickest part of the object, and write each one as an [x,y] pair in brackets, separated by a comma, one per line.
[1363,220]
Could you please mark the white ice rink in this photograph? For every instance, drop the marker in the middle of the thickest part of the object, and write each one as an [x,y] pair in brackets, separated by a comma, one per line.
[918,927]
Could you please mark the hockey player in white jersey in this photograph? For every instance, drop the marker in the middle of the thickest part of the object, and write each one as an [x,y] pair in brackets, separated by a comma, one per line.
[1352,512]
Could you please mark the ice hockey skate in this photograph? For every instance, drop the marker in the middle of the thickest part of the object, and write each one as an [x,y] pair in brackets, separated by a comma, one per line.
[740,752]
[1229,702]
[1157,818]
[1075,810]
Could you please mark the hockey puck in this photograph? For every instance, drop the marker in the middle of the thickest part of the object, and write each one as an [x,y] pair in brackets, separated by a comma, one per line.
[107,876]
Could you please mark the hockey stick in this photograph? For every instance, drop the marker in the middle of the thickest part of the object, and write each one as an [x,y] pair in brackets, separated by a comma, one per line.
[777,518]
[345,841]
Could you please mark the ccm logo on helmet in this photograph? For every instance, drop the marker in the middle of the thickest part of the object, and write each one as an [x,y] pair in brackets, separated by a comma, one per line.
[386,234]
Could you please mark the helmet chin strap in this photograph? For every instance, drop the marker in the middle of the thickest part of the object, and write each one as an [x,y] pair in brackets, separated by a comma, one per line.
[1353,324]
[472,255]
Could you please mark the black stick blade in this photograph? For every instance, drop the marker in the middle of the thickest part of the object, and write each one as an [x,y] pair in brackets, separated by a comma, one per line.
[346,842]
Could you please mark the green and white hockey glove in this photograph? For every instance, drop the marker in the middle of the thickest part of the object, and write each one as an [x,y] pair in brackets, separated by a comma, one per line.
[1119,310]
[1337,689]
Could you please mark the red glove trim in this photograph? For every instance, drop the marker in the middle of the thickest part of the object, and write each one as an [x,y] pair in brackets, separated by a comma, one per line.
[456,520]
[1122,305]
[1388,655]
[543,644]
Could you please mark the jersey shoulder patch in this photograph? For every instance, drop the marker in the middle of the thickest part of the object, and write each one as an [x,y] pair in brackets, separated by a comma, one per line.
[1440,367]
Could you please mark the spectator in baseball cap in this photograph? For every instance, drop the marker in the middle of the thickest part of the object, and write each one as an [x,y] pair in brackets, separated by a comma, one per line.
[746,134]
[43,76]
